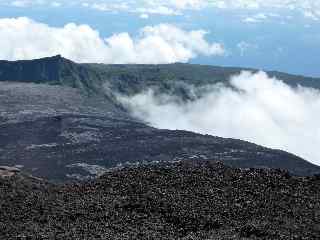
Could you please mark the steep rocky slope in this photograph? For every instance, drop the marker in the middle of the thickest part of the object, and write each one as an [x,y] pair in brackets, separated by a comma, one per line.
[129,79]
[186,200]
[60,134]
[61,121]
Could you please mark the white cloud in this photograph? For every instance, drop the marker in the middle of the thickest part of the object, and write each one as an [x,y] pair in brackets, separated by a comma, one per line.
[308,8]
[56,4]
[259,4]
[187,4]
[258,109]
[29,3]
[257,18]
[26,3]
[133,7]
[144,16]
[250,20]
[160,10]
[19,3]
[23,38]
[108,7]
[312,15]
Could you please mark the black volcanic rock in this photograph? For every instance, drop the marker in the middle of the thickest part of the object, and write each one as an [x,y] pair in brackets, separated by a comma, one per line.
[186,200]
[61,121]
[66,147]
[39,70]
[60,134]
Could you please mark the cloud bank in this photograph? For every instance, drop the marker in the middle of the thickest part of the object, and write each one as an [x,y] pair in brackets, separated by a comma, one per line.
[23,38]
[257,108]
[310,9]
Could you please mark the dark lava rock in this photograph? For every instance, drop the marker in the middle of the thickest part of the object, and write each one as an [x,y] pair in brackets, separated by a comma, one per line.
[186,200]
[60,134]
[62,121]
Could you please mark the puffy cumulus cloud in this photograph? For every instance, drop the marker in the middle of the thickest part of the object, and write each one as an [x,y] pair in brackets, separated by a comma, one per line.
[23,38]
[255,108]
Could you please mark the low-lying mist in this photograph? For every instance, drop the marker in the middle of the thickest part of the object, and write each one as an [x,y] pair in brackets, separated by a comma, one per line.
[254,107]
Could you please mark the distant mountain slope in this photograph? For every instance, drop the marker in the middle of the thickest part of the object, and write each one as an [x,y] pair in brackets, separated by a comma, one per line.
[128,79]
[60,120]
[188,200]
[52,70]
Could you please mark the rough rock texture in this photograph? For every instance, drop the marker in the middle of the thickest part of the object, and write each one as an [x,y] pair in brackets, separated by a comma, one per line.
[61,121]
[128,78]
[60,134]
[186,200]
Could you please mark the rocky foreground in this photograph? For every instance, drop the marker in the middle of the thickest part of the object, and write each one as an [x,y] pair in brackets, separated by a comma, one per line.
[180,201]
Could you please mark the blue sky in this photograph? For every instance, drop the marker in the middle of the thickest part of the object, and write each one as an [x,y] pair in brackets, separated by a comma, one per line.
[273,35]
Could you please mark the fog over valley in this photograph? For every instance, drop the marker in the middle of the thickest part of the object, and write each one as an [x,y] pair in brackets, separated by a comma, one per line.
[254,107]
